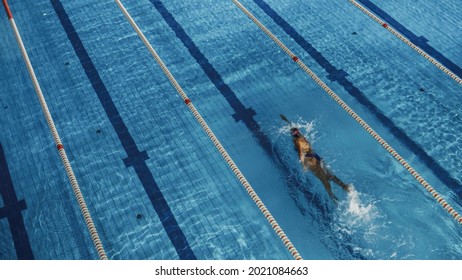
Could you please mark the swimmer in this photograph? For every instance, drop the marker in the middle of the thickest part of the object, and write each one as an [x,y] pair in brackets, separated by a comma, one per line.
[311,160]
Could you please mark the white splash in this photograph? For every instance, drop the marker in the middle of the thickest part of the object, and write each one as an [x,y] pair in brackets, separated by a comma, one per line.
[358,211]
[305,127]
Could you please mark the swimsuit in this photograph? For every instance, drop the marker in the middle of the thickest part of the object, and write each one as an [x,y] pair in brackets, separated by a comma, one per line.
[313,155]
[305,147]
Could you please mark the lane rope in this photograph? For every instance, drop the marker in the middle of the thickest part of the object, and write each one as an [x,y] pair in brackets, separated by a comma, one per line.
[355,116]
[408,42]
[214,139]
[62,153]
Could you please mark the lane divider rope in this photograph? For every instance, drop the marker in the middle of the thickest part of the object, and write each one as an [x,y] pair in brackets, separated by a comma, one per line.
[408,42]
[70,173]
[214,139]
[355,116]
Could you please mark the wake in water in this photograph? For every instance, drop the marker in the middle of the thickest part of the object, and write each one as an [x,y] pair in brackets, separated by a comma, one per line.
[356,224]
[346,229]
[358,227]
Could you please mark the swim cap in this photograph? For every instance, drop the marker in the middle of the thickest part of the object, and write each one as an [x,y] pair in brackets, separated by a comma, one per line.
[294,131]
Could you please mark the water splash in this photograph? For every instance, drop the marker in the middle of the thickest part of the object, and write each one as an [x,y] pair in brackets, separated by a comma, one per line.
[306,128]
[359,212]
[357,223]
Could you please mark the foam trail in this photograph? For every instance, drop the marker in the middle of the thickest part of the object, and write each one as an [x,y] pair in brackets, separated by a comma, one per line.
[358,211]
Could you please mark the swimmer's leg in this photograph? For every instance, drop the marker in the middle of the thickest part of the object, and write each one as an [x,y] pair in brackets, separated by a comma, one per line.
[332,177]
[344,186]
[328,188]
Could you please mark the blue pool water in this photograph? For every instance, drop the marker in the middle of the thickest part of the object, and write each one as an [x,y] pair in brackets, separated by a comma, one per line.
[154,183]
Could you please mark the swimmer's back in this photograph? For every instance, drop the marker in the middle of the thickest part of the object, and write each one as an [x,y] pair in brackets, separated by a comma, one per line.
[302,145]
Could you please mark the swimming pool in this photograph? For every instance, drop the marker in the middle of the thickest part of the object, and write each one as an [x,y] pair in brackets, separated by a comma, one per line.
[154,183]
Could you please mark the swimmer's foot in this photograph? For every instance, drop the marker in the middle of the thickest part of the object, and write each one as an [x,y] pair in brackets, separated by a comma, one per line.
[346,187]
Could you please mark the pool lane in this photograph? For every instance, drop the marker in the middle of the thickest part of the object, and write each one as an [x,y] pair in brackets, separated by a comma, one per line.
[135,157]
[246,115]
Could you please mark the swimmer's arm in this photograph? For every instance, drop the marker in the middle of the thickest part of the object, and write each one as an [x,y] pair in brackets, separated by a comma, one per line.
[301,155]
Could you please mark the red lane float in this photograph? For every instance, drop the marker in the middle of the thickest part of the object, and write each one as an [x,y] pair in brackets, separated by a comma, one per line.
[7,9]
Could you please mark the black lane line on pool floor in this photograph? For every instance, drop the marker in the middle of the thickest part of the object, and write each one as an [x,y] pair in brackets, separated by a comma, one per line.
[135,158]
[295,186]
[340,77]
[421,41]
[11,210]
